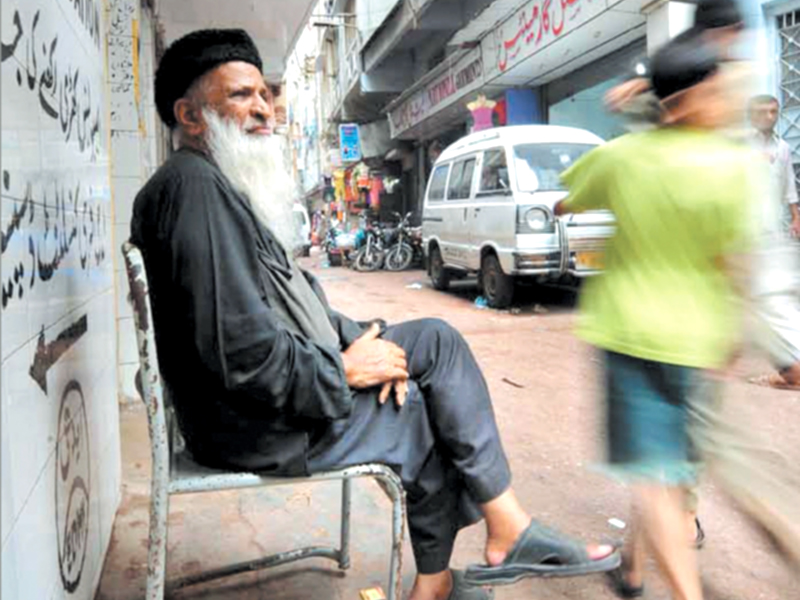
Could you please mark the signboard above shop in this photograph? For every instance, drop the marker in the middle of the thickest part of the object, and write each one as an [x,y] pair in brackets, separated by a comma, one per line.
[349,142]
[535,26]
[447,84]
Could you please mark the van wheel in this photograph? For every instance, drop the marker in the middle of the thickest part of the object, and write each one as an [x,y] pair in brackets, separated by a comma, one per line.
[440,276]
[498,288]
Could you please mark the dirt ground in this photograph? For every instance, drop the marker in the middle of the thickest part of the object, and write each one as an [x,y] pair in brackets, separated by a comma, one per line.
[544,384]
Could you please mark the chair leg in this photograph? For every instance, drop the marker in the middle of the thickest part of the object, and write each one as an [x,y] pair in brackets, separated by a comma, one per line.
[398,528]
[157,543]
[344,549]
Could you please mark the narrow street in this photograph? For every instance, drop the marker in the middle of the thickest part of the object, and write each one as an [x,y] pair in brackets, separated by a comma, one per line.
[544,384]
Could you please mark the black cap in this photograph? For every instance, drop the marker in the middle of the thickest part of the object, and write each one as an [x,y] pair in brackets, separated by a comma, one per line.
[192,56]
[681,64]
[711,14]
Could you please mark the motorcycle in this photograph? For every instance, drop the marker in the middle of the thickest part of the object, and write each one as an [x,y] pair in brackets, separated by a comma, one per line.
[407,249]
[370,257]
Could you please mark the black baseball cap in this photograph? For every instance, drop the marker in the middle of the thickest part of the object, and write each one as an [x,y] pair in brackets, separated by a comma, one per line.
[682,64]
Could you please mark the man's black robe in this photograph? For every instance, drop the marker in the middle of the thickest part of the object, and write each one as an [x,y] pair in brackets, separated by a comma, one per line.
[253,393]
[249,391]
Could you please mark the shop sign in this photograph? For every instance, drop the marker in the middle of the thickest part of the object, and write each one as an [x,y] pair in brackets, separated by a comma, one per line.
[459,79]
[536,25]
[349,142]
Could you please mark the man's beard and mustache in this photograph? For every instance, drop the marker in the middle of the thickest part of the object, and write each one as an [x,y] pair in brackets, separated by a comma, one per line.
[255,166]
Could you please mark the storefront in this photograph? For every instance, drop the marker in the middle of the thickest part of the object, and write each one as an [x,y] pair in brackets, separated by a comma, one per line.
[546,58]
[577,100]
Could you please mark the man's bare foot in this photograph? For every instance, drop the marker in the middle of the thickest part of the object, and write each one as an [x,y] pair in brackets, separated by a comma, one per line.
[432,587]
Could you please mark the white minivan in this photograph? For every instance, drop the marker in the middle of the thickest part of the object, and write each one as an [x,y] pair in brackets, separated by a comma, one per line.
[489,210]
[302,226]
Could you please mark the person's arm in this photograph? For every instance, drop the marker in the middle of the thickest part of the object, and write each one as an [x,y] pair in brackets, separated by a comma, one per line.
[348,329]
[586,181]
[637,82]
[790,189]
[237,335]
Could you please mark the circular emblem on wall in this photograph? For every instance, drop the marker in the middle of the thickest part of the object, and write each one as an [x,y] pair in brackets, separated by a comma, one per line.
[72,486]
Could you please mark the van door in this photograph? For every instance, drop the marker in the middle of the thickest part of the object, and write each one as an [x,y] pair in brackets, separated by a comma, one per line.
[435,212]
[493,216]
[458,202]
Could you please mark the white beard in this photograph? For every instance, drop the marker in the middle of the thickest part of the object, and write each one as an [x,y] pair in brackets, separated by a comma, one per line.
[256,167]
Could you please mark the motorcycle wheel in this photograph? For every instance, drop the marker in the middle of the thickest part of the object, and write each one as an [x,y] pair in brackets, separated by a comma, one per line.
[399,257]
[368,261]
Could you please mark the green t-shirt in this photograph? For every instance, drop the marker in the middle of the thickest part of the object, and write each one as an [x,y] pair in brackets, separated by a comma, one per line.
[681,201]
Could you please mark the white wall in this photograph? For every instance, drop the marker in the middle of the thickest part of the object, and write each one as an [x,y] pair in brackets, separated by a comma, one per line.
[371,14]
[135,132]
[762,45]
[60,423]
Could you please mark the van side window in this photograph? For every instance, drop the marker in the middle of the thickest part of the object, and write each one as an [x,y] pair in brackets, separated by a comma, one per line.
[461,180]
[438,182]
[494,173]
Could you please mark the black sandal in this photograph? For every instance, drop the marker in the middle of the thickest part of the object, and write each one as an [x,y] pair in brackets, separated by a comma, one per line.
[700,537]
[463,591]
[541,551]
[620,584]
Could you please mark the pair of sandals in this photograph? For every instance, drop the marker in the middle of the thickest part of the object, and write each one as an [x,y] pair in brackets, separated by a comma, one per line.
[540,551]
[618,577]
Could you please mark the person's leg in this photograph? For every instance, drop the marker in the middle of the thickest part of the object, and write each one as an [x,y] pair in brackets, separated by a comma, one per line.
[403,439]
[462,417]
[458,402]
[691,500]
[662,514]
[649,445]
[778,332]
[444,444]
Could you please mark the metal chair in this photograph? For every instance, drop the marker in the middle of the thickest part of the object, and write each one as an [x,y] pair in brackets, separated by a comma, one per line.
[174,472]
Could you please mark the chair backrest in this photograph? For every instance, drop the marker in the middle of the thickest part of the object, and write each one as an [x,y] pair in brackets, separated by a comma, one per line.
[151,382]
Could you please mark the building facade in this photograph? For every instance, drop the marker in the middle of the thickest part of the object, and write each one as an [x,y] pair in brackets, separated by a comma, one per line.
[419,66]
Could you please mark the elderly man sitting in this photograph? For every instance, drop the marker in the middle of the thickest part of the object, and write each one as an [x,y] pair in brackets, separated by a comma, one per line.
[266,376]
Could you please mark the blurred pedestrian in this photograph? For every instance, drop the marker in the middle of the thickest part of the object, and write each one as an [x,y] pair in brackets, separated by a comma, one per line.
[664,311]
[763,112]
[776,290]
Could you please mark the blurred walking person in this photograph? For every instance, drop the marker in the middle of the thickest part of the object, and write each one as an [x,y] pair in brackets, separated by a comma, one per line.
[776,276]
[664,313]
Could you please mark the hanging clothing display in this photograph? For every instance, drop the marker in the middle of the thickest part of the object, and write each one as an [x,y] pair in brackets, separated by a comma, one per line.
[339,184]
[375,189]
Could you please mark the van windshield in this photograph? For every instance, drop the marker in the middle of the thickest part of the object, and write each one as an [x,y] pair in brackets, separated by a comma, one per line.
[539,166]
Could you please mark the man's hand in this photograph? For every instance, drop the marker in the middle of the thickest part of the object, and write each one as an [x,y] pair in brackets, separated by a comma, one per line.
[400,391]
[370,361]
[559,208]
